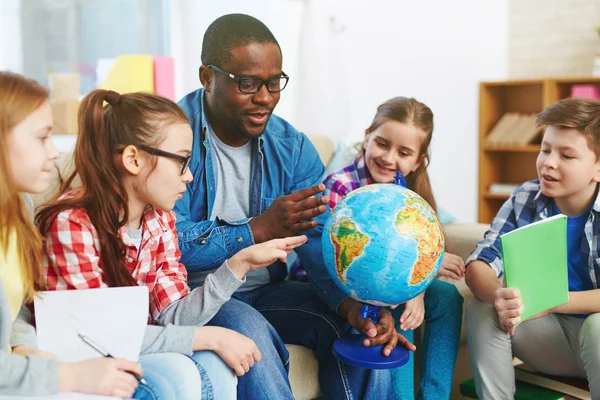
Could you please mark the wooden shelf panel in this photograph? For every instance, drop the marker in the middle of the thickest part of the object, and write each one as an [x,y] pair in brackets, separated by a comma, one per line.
[516,82]
[578,80]
[530,148]
[496,196]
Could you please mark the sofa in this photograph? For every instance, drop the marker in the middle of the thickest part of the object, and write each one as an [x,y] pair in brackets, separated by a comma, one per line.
[460,239]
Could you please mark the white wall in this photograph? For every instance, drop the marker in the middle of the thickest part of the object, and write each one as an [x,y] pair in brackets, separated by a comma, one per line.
[2,39]
[11,57]
[346,57]
[552,38]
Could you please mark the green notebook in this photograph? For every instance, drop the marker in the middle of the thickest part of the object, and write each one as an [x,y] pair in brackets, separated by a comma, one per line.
[524,391]
[535,262]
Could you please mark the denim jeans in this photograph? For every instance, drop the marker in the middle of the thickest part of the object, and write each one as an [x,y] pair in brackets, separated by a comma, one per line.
[218,380]
[443,321]
[175,376]
[169,376]
[290,312]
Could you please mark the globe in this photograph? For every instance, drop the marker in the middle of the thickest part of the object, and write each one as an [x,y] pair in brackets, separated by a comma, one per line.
[383,244]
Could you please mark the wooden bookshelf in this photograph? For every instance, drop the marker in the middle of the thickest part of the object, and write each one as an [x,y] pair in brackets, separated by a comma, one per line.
[512,163]
[530,148]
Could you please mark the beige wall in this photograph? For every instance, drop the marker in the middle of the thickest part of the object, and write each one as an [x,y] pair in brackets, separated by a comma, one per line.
[552,37]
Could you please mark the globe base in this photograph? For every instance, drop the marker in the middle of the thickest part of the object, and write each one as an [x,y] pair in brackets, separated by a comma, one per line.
[351,350]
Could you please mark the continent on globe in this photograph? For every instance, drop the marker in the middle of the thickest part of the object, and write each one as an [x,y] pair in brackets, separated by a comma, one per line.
[413,223]
[382,244]
[348,242]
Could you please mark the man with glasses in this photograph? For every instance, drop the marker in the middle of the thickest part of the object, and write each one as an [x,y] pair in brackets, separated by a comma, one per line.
[257,178]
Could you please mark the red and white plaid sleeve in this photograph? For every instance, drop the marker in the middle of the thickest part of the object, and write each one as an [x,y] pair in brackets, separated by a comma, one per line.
[171,279]
[71,247]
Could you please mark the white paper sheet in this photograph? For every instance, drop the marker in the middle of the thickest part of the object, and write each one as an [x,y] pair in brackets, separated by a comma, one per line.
[114,318]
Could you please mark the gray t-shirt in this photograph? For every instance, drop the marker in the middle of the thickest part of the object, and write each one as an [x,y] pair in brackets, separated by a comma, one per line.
[232,166]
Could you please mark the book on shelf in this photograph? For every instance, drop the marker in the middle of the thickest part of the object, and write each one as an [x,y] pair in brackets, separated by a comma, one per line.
[503,188]
[503,126]
[514,129]
[576,388]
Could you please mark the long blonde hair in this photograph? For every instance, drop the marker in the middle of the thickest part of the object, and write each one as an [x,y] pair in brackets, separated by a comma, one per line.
[19,97]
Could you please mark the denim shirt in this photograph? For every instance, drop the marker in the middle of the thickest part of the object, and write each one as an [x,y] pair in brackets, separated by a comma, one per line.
[527,204]
[283,161]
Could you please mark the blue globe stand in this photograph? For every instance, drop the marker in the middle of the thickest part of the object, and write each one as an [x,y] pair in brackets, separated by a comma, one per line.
[351,350]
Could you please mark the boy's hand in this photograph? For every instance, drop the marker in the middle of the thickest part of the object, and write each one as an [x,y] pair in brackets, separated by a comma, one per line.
[289,215]
[381,333]
[263,254]
[509,307]
[414,312]
[452,267]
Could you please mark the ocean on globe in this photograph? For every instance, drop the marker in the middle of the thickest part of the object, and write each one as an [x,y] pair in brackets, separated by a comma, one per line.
[383,244]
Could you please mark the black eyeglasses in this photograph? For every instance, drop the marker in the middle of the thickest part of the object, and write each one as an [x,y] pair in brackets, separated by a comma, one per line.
[251,84]
[184,161]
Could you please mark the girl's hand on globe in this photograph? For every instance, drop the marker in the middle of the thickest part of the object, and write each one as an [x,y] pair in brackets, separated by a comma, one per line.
[414,312]
[452,267]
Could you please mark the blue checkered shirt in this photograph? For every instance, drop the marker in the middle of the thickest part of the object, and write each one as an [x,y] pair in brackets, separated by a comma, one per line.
[527,204]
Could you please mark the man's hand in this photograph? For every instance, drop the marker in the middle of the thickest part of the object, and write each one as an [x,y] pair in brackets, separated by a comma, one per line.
[377,334]
[509,307]
[289,215]
[452,267]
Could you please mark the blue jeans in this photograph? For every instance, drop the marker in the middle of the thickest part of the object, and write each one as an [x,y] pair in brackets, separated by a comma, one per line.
[169,376]
[218,380]
[443,321]
[176,376]
[290,312]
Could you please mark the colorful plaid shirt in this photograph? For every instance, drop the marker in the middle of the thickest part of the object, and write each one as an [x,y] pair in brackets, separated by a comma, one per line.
[527,204]
[343,181]
[72,256]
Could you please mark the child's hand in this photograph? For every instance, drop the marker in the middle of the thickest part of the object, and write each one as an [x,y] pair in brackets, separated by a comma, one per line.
[29,351]
[263,254]
[452,267]
[414,312]
[238,351]
[103,376]
[509,307]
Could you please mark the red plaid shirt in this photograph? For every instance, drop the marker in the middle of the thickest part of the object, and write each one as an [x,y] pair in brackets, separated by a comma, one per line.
[72,256]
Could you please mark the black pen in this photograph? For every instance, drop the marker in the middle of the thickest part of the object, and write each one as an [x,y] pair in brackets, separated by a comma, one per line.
[104,353]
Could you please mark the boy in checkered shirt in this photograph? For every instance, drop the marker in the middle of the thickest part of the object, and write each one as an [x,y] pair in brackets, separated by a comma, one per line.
[562,341]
